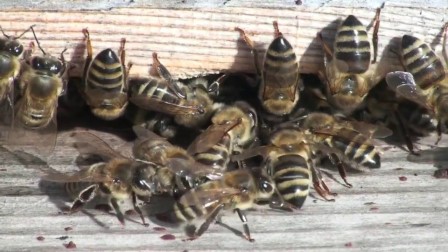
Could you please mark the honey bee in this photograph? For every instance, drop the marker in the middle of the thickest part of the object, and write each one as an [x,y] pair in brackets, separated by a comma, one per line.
[288,159]
[116,177]
[279,78]
[354,139]
[236,190]
[407,118]
[349,74]
[191,106]
[10,51]
[425,81]
[41,83]
[105,81]
[233,128]
[178,171]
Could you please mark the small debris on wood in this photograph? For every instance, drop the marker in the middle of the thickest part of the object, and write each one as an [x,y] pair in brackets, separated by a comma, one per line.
[298,2]
[168,237]
[159,229]
[441,173]
[387,223]
[369,203]
[420,224]
[65,237]
[374,208]
[68,229]
[70,245]
[399,169]
[103,208]
[348,245]
[415,174]
[3,169]
[402,178]
[40,238]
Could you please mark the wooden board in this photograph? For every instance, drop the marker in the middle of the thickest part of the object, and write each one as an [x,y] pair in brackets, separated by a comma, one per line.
[198,41]
[381,213]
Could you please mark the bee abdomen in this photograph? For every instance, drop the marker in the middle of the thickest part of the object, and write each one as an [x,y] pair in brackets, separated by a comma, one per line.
[217,156]
[352,46]
[281,60]
[106,72]
[292,178]
[421,62]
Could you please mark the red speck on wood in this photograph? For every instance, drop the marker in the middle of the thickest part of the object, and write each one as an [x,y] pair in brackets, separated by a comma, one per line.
[348,244]
[68,228]
[159,229]
[374,208]
[168,237]
[40,238]
[402,178]
[70,245]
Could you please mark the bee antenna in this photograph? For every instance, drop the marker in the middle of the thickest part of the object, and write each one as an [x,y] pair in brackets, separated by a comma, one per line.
[27,30]
[37,41]
[4,34]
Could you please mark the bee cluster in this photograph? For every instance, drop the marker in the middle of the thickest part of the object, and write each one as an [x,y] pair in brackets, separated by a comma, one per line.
[229,141]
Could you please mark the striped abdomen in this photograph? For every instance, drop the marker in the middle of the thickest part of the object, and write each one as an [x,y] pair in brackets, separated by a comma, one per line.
[106,73]
[352,47]
[355,146]
[421,62]
[74,188]
[218,155]
[280,77]
[292,178]
[156,89]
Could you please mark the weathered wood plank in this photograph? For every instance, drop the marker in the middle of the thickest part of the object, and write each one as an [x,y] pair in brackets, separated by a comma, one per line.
[193,42]
[380,212]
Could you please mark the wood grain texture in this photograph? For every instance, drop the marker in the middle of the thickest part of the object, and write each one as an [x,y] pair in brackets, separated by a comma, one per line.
[379,213]
[199,41]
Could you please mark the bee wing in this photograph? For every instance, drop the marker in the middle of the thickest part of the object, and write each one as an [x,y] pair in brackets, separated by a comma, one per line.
[370,130]
[155,104]
[6,112]
[246,154]
[281,81]
[404,84]
[143,133]
[189,167]
[31,161]
[346,133]
[206,197]
[88,143]
[211,136]
[439,155]
[41,140]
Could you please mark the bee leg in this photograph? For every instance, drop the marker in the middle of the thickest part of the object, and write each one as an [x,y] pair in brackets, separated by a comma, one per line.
[335,160]
[319,185]
[138,210]
[163,72]
[281,203]
[89,51]
[207,222]
[439,132]
[404,132]
[245,226]
[376,26]
[251,45]
[84,196]
[116,207]
[213,88]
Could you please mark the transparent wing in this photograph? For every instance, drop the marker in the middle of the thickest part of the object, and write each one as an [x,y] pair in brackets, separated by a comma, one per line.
[436,155]
[404,84]
[143,133]
[88,143]
[189,167]
[211,136]
[370,130]
[260,150]
[206,197]
[155,104]
[98,98]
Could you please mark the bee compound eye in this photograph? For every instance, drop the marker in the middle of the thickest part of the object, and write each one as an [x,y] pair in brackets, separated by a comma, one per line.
[266,186]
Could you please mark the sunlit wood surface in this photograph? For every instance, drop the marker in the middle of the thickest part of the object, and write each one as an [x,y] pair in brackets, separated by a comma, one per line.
[381,212]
